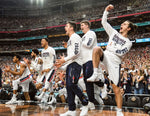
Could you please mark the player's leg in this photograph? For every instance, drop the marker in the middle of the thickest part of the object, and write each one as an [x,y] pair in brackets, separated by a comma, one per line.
[63,95]
[118,98]
[27,97]
[40,80]
[87,72]
[49,78]
[114,75]
[97,90]
[97,56]
[53,99]
[70,94]
[15,88]
[82,86]
[25,89]
[72,77]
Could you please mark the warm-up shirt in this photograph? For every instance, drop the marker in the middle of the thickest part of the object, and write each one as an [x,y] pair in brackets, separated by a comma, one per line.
[34,64]
[89,41]
[48,56]
[117,44]
[73,49]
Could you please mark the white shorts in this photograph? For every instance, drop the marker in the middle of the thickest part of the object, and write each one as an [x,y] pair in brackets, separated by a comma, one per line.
[49,78]
[41,79]
[113,65]
[23,82]
[46,77]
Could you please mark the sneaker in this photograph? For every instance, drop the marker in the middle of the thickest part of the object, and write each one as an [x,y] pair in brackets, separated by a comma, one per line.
[104,92]
[93,78]
[84,111]
[12,101]
[40,96]
[52,101]
[100,77]
[119,113]
[96,77]
[91,106]
[69,113]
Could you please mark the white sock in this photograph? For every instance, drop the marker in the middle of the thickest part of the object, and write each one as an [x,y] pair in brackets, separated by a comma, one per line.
[14,95]
[52,96]
[95,70]
[119,110]
[42,93]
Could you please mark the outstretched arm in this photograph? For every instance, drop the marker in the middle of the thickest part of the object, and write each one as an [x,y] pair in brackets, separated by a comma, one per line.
[108,28]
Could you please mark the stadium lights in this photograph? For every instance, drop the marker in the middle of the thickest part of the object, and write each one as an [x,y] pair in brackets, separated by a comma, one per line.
[37,1]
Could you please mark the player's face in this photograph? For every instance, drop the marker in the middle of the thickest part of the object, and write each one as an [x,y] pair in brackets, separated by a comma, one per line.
[124,27]
[32,54]
[67,28]
[83,27]
[43,43]
[15,59]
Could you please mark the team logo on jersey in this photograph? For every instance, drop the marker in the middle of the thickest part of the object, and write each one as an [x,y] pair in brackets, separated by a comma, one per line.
[123,51]
[89,42]
[76,48]
[45,54]
[118,40]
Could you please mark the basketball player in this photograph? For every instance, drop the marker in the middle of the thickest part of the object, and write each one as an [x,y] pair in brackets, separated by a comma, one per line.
[25,78]
[36,65]
[89,41]
[118,46]
[73,71]
[48,56]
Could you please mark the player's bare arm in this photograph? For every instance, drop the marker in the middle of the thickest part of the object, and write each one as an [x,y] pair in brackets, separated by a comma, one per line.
[22,68]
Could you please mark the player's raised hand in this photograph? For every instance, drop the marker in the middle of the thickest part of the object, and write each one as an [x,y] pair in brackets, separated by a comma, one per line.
[109,7]
[26,60]
[7,68]
[60,61]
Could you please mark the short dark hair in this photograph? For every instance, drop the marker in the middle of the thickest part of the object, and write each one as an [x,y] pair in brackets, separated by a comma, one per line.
[86,22]
[72,24]
[46,39]
[17,56]
[133,28]
[36,51]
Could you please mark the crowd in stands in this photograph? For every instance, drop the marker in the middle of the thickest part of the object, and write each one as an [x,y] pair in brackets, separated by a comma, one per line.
[135,74]
[121,8]
[101,37]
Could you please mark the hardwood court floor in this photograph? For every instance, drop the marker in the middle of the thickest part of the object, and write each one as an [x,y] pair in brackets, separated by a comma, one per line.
[55,110]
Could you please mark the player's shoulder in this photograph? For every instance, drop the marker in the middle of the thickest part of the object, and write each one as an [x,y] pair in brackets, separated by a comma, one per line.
[50,48]
[22,63]
[91,33]
[75,35]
